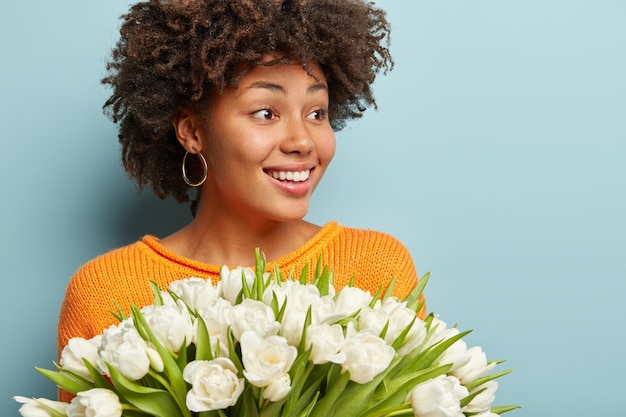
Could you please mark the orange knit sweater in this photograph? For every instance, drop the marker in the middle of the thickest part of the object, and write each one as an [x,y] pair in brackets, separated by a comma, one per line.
[122,275]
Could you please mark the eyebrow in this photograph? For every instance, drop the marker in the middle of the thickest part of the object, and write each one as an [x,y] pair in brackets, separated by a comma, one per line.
[279,88]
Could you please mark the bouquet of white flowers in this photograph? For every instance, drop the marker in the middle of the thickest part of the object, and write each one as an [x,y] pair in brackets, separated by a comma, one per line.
[265,345]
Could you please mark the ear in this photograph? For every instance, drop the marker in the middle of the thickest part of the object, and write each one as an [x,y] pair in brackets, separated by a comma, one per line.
[187,126]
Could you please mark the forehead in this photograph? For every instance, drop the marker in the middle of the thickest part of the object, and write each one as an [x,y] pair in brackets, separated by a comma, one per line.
[290,79]
[277,68]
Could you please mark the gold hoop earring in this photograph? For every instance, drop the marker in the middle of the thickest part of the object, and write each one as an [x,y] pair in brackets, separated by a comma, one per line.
[204,167]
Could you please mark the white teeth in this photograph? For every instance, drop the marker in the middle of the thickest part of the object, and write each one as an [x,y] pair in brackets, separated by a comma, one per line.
[297,176]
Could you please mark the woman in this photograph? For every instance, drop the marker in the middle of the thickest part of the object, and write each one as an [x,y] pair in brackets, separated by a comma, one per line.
[238,100]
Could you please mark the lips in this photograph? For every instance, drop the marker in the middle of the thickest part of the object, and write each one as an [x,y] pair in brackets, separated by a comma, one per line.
[293,176]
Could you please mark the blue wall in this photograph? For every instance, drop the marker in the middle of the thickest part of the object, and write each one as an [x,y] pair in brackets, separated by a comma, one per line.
[497,156]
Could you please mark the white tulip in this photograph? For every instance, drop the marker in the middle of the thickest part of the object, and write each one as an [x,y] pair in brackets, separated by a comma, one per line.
[214,384]
[217,319]
[265,359]
[325,342]
[475,367]
[350,300]
[456,355]
[438,397]
[78,349]
[124,349]
[253,315]
[230,284]
[391,313]
[96,402]
[197,293]
[367,355]
[171,324]
[298,297]
[483,401]
[278,388]
[292,326]
[39,407]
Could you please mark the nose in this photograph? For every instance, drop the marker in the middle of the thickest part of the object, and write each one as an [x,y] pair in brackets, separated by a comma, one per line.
[298,138]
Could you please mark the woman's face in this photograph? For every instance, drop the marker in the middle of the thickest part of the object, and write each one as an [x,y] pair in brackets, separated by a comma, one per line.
[268,143]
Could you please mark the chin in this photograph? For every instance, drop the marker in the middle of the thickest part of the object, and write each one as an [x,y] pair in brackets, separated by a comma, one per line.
[291,216]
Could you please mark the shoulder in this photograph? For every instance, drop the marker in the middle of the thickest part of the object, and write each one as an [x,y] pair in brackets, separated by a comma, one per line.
[371,243]
[374,257]
[92,291]
[120,270]
[111,263]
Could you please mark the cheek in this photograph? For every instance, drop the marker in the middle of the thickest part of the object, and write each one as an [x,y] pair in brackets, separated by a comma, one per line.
[326,148]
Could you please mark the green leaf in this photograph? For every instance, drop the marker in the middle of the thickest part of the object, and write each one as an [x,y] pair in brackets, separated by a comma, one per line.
[98,379]
[420,306]
[248,405]
[466,400]
[306,412]
[203,344]
[407,382]
[324,281]
[307,323]
[232,354]
[389,290]
[504,409]
[268,280]
[156,402]
[419,360]
[246,291]
[355,397]
[271,409]
[397,344]
[182,359]
[473,385]
[259,270]
[156,291]
[352,281]
[283,308]
[326,405]
[376,296]
[278,275]
[304,274]
[119,314]
[178,387]
[298,373]
[274,306]
[318,269]
[68,382]
[394,411]
[127,411]
[333,374]
[412,300]
[384,330]
[306,400]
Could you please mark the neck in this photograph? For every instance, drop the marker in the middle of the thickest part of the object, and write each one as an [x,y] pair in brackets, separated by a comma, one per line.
[227,239]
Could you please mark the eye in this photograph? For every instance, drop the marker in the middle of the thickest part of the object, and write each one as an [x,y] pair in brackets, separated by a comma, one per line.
[265,114]
[319,114]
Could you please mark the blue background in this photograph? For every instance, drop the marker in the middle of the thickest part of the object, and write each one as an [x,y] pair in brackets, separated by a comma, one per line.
[496,155]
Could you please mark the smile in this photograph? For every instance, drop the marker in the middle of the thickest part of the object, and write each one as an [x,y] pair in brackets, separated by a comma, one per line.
[295,176]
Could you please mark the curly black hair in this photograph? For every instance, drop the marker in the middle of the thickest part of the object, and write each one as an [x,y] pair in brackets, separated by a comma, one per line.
[174,53]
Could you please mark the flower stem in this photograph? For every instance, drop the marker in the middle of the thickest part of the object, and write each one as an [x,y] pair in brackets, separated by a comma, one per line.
[398,410]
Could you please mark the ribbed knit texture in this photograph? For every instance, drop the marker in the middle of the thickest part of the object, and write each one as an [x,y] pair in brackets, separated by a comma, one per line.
[122,275]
